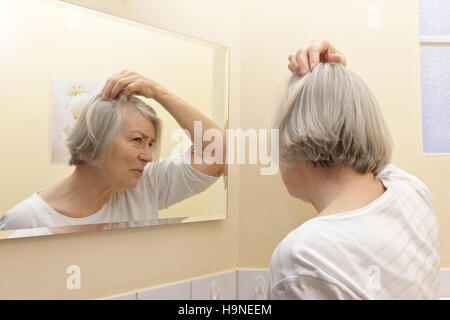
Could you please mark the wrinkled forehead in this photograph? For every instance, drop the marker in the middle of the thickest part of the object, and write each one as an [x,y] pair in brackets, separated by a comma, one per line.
[134,120]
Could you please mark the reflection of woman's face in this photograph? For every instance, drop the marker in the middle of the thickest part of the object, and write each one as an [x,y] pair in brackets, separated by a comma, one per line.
[130,150]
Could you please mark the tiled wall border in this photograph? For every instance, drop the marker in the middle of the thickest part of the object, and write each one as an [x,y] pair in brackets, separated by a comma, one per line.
[240,284]
[444,291]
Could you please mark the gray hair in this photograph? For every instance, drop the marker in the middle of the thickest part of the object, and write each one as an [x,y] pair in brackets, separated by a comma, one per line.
[330,117]
[90,139]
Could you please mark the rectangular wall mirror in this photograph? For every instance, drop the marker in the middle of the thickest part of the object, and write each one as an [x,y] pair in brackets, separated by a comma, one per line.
[54,56]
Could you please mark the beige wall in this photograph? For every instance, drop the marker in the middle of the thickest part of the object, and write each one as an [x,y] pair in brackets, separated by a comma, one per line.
[260,34]
[388,59]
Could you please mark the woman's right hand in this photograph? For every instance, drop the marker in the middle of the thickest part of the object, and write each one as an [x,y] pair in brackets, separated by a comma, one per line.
[130,82]
[308,57]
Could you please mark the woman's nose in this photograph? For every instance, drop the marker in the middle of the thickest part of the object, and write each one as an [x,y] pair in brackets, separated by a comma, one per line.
[146,155]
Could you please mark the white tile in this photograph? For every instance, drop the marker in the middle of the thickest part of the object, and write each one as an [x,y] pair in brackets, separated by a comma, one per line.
[128,296]
[221,286]
[444,287]
[253,284]
[176,291]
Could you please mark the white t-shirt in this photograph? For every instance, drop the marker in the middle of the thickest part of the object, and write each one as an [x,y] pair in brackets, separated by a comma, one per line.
[388,249]
[161,185]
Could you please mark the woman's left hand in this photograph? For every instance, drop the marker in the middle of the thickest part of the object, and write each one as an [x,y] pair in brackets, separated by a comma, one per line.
[129,82]
[308,57]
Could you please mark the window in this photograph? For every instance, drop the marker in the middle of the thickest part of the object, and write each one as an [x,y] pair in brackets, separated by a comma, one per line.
[435,74]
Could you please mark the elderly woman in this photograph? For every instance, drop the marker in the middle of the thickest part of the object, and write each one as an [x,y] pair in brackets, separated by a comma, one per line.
[114,147]
[376,235]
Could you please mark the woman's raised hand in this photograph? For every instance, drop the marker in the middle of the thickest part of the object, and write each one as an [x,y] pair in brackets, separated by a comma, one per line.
[129,82]
[308,57]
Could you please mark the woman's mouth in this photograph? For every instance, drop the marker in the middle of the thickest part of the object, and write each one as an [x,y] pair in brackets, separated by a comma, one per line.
[138,171]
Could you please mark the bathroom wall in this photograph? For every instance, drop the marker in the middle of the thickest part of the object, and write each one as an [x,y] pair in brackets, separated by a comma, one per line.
[381,41]
[113,262]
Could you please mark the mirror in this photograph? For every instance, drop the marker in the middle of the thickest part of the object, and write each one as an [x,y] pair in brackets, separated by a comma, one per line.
[54,56]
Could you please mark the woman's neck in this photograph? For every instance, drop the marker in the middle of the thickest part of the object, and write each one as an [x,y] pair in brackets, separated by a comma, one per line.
[332,192]
[82,194]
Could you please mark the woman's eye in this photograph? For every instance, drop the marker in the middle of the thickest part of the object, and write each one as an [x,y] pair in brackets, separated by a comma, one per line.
[137,140]
[150,145]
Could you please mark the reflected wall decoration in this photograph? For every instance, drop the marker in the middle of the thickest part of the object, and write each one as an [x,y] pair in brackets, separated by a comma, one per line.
[68,100]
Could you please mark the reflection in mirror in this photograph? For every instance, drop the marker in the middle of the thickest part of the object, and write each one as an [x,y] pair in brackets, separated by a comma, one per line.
[104,123]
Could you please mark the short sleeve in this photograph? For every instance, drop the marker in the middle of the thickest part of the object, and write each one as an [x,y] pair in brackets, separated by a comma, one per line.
[300,265]
[19,217]
[303,287]
[176,180]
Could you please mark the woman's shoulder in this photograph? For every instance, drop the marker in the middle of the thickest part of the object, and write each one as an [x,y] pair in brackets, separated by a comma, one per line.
[303,237]
[405,182]
[298,251]
[19,216]
[391,172]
